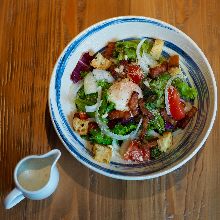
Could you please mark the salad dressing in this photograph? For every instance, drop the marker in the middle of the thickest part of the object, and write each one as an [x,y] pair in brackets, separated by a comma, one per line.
[35,173]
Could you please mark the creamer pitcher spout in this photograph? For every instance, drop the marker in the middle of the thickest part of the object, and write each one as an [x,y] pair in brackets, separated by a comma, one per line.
[53,156]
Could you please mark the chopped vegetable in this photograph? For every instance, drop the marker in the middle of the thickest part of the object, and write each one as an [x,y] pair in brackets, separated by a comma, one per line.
[104,84]
[124,129]
[176,106]
[106,106]
[186,92]
[90,85]
[155,153]
[157,124]
[136,153]
[169,127]
[135,73]
[92,108]
[96,136]
[83,100]
[144,59]
[157,87]
[83,74]
[82,65]
[127,49]
[103,75]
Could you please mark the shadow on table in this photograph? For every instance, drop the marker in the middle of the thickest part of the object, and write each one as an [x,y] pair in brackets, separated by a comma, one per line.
[108,187]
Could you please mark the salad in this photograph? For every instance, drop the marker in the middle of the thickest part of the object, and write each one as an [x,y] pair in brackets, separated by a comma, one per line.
[130,99]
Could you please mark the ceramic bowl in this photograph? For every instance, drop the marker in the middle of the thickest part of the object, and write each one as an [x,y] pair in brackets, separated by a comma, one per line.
[193,63]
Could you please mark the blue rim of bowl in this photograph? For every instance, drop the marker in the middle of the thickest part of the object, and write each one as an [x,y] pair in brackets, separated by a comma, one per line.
[58,72]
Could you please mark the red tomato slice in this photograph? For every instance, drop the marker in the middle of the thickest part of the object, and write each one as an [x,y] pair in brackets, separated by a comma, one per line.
[176,106]
[135,153]
[134,73]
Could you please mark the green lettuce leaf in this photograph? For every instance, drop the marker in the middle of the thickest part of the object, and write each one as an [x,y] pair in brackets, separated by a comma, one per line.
[156,94]
[155,153]
[186,92]
[106,105]
[124,129]
[157,124]
[104,84]
[127,49]
[96,136]
[82,99]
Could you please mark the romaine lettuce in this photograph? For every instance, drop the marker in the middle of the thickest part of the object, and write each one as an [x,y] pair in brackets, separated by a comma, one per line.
[186,92]
[157,124]
[124,129]
[127,49]
[82,99]
[96,136]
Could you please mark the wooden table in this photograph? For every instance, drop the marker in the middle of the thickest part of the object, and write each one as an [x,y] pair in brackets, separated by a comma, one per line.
[32,35]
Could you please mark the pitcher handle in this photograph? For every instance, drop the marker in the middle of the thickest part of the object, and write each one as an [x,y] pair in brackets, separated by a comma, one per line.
[13,198]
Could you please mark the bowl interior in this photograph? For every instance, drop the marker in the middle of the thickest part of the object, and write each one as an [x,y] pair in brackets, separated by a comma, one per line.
[193,64]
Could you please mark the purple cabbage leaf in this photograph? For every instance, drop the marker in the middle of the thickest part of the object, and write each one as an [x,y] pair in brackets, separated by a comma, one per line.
[82,65]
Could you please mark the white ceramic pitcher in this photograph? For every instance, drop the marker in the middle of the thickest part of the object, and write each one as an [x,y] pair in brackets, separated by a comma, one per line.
[36,177]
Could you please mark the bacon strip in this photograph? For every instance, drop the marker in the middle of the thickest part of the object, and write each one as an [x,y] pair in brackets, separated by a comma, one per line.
[167,118]
[173,61]
[117,114]
[150,143]
[133,104]
[144,127]
[184,122]
[118,75]
[158,70]
[113,72]
[108,53]
[92,126]
[144,111]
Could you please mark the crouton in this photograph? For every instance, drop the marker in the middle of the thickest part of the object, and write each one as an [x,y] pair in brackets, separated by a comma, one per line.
[102,153]
[157,49]
[80,126]
[100,62]
[174,71]
[165,141]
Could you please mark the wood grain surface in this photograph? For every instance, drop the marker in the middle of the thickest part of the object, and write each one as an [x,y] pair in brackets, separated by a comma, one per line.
[32,35]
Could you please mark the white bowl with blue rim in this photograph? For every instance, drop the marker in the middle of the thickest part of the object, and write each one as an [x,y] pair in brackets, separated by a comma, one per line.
[193,63]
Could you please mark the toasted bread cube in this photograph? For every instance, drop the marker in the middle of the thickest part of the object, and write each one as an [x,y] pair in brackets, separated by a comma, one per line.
[165,141]
[100,62]
[102,153]
[157,49]
[80,126]
[174,71]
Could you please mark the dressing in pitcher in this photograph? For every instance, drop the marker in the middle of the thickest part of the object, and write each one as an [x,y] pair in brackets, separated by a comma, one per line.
[35,173]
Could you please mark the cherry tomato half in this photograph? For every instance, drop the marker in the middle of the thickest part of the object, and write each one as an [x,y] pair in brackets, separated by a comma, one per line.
[134,73]
[136,153]
[176,106]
